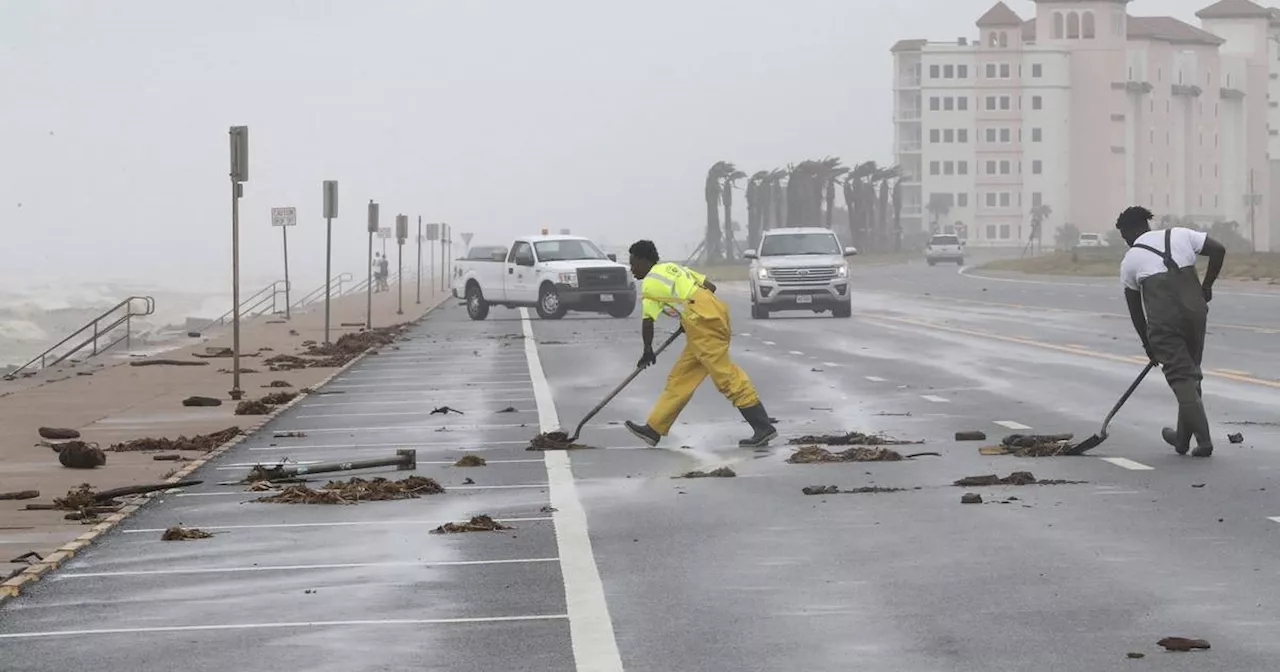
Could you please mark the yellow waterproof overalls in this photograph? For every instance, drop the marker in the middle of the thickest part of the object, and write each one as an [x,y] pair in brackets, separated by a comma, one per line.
[679,292]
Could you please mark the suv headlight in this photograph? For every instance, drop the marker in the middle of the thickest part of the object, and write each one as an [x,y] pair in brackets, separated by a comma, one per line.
[842,271]
[570,279]
[763,273]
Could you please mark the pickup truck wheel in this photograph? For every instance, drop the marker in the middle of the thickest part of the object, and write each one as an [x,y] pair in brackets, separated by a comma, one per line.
[960,261]
[477,307]
[932,262]
[758,312]
[549,306]
[624,310]
[842,310]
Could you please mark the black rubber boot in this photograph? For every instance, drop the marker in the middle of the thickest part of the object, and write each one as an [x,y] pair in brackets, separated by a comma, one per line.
[759,420]
[645,433]
[1170,436]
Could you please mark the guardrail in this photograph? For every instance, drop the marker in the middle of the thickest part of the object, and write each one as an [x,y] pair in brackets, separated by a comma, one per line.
[318,293]
[95,333]
[254,306]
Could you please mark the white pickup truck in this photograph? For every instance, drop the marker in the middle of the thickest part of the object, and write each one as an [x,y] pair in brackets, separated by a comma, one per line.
[553,274]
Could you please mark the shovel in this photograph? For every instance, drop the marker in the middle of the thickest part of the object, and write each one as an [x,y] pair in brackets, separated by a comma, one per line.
[1095,440]
[619,388]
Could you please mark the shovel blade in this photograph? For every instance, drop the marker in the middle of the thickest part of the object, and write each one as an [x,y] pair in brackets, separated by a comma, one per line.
[1086,445]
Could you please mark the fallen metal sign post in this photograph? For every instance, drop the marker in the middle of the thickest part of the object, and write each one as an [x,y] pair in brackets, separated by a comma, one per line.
[405,460]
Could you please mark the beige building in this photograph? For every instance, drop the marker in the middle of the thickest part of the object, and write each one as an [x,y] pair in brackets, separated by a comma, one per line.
[1087,110]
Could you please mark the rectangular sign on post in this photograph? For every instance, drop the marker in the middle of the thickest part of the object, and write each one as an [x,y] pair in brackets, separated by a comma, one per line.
[330,199]
[284,216]
[239,154]
[373,217]
[402,228]
[384,233]
[433,231]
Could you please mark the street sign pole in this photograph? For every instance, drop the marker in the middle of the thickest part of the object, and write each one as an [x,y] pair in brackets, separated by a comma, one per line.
[433,233]
[285,218]
[373,228]
[418,275]
[330,211]
[239,175]
[402,233]
[444,233]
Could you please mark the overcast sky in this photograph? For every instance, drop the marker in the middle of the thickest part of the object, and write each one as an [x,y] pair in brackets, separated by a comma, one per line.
[500,116]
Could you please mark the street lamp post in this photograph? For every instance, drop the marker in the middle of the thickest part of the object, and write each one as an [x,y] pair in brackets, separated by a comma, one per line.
[239,175]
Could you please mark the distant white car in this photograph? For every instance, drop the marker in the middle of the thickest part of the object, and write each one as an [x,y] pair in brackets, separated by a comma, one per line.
[944,247]
[1091,240]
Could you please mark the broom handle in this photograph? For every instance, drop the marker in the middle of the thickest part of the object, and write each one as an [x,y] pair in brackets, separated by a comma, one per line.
[624,383]
[1128,393]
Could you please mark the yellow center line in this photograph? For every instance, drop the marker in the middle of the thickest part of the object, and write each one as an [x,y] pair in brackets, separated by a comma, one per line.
[1069,349]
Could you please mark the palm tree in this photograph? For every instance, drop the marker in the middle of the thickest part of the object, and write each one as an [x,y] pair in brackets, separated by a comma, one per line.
[882,178]
[1039,213]
[770,193]
[757,206]
[856,203]
[778,195]
[897,215]
[712,194]
[938,206]
[826,173]
[726,196]
[795,196]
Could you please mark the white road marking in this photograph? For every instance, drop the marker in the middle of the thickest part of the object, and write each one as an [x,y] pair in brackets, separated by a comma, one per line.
[282,568]
[1274,519]
[595,647]
[768,342]
[830,364]
[875,379]
[935,398]
[345,523]
[1009,424]
[744,335]
[796,352]
[259,626]
[1127,463]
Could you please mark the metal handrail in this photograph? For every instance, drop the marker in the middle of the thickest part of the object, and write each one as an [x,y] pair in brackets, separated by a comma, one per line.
[98,333]
[318,293]
[251,304]
[363,284]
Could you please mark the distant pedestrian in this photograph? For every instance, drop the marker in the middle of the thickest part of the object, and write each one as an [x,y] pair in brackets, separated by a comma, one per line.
[384,273]
[1169,306]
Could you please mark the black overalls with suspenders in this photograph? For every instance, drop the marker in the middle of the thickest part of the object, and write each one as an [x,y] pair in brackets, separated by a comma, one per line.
[1177,319]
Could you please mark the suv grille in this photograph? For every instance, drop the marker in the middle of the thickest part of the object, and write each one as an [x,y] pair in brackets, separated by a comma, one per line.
[602,278]
[800,276]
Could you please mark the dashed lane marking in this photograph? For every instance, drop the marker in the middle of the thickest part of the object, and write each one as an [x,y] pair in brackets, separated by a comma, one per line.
[595,647]
[768,342]
[796,352]
[277,626]
[1127,463]
[1009,424]
[832,364]
[935,398]
[291,568]
[875,379]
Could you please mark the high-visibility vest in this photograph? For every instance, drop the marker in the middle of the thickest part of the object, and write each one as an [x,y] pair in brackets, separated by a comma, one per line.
[667,287]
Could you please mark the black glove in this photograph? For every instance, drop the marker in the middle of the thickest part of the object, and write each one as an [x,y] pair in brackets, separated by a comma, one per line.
[1208,293]
[649,357]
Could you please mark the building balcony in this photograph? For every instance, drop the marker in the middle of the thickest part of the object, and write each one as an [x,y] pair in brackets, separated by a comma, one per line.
[1191,91]
[912,210]
[907,115]
[909,147]
[1133,87]
[906,82]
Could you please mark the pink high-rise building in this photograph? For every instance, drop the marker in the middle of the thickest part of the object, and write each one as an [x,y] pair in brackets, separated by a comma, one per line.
[1087,110]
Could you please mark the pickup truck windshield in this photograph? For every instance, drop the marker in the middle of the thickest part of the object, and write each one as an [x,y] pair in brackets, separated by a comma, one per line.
[800,243]
[567,250]
[487,253]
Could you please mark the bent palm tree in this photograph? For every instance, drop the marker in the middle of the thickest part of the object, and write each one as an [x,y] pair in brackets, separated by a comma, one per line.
[1039,213]
[757,206]
[855,201]
[826,172]
[711,191]
[726,196]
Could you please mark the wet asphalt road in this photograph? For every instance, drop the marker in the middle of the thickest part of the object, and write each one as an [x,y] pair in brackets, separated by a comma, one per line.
[727,574]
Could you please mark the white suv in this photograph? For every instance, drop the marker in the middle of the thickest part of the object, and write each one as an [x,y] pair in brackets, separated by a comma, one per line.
[1091,240]
[944,247]
[800,269]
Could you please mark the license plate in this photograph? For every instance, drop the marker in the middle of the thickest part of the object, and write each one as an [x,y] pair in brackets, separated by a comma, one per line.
[606,298]
[804,298]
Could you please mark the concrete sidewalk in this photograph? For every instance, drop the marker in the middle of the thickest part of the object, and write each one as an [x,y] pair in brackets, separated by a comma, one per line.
[109,401]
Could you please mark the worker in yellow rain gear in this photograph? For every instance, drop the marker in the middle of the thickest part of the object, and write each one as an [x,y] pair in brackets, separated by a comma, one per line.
[687,295]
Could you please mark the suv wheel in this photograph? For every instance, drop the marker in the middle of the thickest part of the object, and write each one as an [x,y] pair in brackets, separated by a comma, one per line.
[843,309]
[759,312]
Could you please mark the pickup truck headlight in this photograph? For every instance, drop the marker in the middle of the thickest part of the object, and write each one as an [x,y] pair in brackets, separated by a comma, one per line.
[843,271]
[570,279]
[763,273]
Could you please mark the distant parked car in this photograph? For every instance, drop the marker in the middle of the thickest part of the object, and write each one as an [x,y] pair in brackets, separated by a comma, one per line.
[1091,240]
[944,247]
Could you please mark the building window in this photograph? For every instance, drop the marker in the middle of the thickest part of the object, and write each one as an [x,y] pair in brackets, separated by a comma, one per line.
[1087,26]
[962,103]
[949,135]
[963,168]
[991,167]
[993,40]
[935,168]
[1005,200]
[935,104]
[1037,167]
[1073,26]
[1057,26]
[991,199]
[991,71]
[949,168]
[948,103]
[1037,102]
[1004,167]
[1004,102]
[934,135]
[1004,40]
[991,135]
[949,71]
[1117,23]
[991,231]
[1004,231]
[962,136]
[1036,135]
[933,72]
[991,102]
[1004,71]
[962,199]
[962,72]
[1037,70]
[1005,136]
[1037,199]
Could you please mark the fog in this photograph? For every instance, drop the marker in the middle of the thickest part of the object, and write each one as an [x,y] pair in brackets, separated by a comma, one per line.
[498,117]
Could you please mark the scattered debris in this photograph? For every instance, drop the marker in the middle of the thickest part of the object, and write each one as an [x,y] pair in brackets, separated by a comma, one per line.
[818,454]
[971,436]
[279,383]
[81,455]
[820,490]
[1133,655]
[20,494]
[168,362]
[356,490]
[201,401]
[833,490]
[722,472]
[168,458]
[215,352]
[78,498]
[179,533]
[971,498]
[242,370]
[200,442]
[1253,423]
[1183,643]
[894,415]
[555,441]
[289,435]
[470,461]
[252,407]
[468,481]
[1238,437]
[821,408]
[58,433]
[480,523]
[278,398]
[1015,478]
[850,439]
[1197,485]
[815,370]
[287,362]
[350,346]
[509,409]
[548,509]
[1031,445]
[445,410]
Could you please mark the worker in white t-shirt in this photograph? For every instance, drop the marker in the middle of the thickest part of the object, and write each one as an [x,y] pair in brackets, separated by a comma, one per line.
[1170,310]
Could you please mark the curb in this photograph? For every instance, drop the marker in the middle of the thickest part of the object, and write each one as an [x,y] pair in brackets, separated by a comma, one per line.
[13,587]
